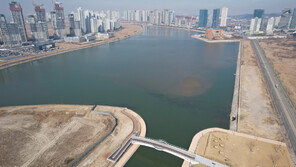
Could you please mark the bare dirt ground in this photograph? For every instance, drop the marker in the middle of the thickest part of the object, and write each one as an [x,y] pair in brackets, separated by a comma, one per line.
[238,151]
[282,55]
[125,127]
[256,115]
[56,135]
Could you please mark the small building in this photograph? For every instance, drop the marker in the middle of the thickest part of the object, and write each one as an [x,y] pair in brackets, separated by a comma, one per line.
[212,34]
[111,34]
[75,39]
[102,36]
[45,45]
[90,37]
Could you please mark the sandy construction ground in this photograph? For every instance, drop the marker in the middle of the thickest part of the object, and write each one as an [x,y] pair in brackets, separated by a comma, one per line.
[282,55]
[56,135]
[125,127]
[256,114]
[239,150]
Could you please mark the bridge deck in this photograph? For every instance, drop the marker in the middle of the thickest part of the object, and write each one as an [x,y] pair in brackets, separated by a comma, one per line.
[162,146]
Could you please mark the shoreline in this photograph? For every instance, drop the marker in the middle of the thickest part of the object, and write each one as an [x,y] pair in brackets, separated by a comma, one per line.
[116,38]
[133,148]
[234,113]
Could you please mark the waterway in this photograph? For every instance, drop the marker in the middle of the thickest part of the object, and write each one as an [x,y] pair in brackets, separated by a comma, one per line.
[179,85]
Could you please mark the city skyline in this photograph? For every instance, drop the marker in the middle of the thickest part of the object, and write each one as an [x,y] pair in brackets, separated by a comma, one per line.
[187,7]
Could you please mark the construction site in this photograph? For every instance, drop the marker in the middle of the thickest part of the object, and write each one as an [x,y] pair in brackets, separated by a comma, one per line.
[63,135]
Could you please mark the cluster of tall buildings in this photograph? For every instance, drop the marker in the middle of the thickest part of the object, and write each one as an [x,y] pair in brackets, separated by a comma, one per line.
[86,21]
[217,20]
[259,24]
[156,17]
[16,33]
[36,26]
[13,33]
[169,18]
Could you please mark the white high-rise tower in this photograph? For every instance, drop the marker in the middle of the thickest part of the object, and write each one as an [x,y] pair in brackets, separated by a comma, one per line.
[82,19]
[224,12]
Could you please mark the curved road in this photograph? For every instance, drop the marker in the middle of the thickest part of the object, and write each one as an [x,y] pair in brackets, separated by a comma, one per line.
[281,100]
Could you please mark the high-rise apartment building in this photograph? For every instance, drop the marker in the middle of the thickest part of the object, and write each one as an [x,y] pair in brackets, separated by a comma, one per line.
[18,18]
[171,17]
[41,23]
[277,21]
[108,14]
[4,30]
[293,21]
[58,20]
[270,25]
[166,17]
[285,19]
[40,13]
[38,29]
[144,16]
[203,18]
[74,25]
[137,15]
[9,32]
[32,25]
[258,13]
[94,25]
[71,24]
[81,19]
[216,18]
[87,16]
[157,17]
[210,20]
[255,25]
[130,15]
[107,25]
[224,13]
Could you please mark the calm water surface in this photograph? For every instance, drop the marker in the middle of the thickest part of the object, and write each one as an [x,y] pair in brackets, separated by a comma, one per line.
[179,85]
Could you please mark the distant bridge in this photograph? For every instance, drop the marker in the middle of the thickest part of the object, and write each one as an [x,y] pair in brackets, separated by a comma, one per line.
[161,145]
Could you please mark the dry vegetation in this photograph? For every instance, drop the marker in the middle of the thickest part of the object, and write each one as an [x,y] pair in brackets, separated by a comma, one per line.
[237,151]
[282,54]
[256,115]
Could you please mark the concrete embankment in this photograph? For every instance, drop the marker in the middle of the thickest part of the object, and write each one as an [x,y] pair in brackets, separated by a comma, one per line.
[141,128]
[236,99]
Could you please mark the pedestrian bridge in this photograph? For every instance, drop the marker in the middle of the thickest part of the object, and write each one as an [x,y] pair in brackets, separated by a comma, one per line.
[161,145]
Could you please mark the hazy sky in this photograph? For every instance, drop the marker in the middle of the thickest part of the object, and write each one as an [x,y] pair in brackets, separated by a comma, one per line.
[189,7]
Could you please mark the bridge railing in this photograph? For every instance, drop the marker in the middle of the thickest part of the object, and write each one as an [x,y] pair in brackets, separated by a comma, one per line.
[171,145]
